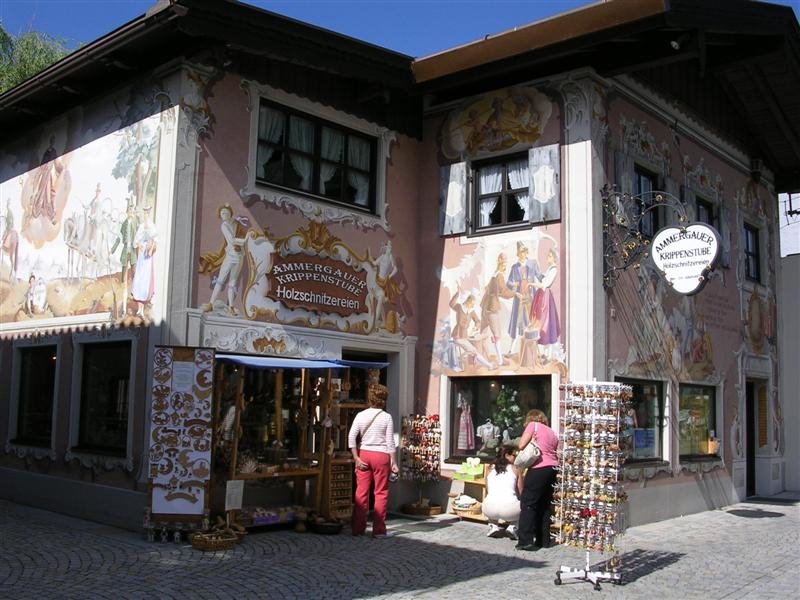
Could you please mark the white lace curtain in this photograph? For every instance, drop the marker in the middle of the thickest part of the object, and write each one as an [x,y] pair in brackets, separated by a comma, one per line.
[358,156]
[332,142]
[270,129]
[518,178]
[301,137]
[490,181]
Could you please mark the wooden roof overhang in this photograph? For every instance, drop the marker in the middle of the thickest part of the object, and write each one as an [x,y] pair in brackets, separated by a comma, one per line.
[733,64]
[366,80]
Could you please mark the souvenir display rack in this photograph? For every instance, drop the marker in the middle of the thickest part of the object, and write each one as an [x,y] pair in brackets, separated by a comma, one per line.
[421,438]
[420,450]
[589,499]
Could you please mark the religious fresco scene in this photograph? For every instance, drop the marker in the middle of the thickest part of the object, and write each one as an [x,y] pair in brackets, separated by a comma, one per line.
[503,309]
[309,278]
[499,121]
[77,217]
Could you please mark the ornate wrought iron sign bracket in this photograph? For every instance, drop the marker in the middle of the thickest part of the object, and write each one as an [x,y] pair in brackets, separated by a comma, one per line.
[626,242]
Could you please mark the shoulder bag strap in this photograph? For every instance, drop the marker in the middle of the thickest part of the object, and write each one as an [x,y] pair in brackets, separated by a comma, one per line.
[371,421]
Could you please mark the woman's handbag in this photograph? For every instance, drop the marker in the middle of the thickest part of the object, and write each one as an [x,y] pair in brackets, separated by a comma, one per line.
[529,455]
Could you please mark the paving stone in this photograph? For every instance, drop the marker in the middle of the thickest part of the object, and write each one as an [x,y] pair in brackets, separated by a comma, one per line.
[748,550]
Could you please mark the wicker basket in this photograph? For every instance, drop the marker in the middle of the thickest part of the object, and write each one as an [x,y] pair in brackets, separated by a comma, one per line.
[326,528]
[430,510]
[476,510]
[211,542]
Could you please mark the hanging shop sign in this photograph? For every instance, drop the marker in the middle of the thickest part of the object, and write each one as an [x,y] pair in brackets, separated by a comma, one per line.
[685,256]
[318,284]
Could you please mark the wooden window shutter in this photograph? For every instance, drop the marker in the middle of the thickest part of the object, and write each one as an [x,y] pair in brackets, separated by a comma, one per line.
[544,168]
[453,199]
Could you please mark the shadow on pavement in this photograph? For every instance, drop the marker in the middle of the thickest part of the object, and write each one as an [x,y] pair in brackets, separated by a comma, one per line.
[640,563]
[754,513]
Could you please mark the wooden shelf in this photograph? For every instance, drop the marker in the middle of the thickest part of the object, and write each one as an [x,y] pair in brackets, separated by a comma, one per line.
[277,474]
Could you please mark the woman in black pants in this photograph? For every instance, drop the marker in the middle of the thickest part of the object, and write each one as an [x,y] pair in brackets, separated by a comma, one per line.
[537,488]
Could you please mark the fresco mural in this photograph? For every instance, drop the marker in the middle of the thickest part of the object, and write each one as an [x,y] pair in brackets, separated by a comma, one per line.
[498,121]
[309,278]
[506,318]
[78,232]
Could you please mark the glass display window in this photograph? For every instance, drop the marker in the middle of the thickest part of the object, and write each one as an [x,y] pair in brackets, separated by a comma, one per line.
[646,420]
[696,421]
[104,397]
[486,412]
[36,387]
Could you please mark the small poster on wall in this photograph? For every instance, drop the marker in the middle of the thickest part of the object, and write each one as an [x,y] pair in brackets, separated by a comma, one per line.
[180,432]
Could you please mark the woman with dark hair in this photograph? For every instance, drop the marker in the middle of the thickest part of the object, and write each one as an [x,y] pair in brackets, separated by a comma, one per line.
[374,459]
[502,501]
[537,487]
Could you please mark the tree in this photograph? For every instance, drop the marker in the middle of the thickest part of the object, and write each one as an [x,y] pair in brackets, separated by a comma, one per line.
[23,56]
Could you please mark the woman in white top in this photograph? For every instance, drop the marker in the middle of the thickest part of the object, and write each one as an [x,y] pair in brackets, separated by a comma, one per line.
[502,500]
[374,460]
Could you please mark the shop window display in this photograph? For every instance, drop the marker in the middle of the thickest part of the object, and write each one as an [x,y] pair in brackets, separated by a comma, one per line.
[104,397]
[646,419]
[37,380]
[268,423]
[696,421]
[485,412]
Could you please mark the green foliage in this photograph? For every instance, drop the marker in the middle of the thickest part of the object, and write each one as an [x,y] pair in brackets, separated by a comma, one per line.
[507,414]
[24,56]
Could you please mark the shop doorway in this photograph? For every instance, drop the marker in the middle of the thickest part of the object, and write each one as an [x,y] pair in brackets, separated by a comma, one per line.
[756,432]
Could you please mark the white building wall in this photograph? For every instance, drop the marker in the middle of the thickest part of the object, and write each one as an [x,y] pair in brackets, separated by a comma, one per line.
[789,327]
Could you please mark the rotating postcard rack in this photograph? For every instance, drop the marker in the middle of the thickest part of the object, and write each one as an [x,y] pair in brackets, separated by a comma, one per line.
[589,500]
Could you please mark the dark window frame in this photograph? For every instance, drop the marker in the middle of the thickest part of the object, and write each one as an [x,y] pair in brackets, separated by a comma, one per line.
[708,207]
[660,417]
[542,384]
[751,246]
[85,443]
[650,223]
[711,417]
[317,160]
[506,194]
[22,435]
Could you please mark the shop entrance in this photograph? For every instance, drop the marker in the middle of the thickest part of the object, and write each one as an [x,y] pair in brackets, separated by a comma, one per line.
[756,432]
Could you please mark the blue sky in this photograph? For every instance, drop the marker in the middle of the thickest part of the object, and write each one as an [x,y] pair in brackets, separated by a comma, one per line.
[416,27]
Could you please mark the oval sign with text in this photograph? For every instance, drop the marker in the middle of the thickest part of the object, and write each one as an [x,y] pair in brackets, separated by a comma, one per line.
[685,256]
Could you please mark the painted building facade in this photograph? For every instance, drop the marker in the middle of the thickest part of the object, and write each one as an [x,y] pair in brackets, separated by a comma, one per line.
[272,209]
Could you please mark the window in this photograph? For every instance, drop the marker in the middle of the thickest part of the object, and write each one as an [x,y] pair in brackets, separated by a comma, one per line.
[645,184]
[309,155]
[104,397]
[647,420]
[502,192]
[484,412]
[36,387]
[705,212]
[697,416]
[752,255]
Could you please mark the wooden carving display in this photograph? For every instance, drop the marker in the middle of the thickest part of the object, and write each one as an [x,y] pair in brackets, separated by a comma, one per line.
[180,431]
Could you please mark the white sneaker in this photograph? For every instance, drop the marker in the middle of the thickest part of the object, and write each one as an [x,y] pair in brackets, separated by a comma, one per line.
[511,530]
[388,534]
[494,531]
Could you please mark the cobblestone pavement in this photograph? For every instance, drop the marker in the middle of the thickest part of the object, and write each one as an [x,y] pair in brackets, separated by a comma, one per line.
[748,550]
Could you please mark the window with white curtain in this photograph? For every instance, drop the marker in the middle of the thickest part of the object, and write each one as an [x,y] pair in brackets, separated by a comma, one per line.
[313,156]
[502,193]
